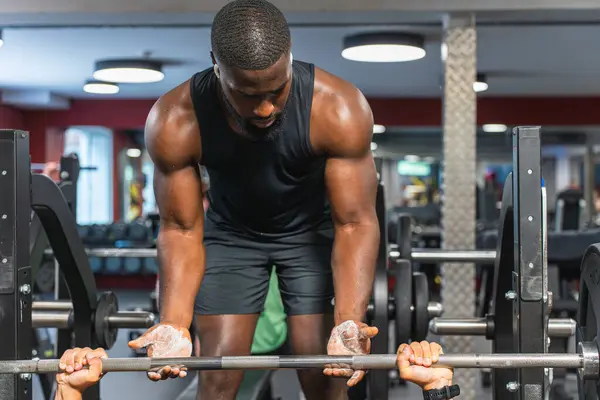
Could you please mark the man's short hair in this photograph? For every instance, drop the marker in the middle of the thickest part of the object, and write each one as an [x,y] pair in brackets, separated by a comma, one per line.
[250,34]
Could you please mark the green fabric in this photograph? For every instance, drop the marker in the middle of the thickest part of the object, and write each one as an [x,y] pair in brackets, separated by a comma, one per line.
[271,329]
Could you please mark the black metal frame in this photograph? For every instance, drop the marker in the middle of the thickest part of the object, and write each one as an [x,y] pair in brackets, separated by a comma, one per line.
[22,192]
[15,271]
[520,297]
[69,174]
[38,245]
[530,256]
[55,215]
[520,313]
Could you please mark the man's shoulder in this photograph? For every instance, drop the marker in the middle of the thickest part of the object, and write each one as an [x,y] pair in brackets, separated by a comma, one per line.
[172,110]
[339,111]
[172,125]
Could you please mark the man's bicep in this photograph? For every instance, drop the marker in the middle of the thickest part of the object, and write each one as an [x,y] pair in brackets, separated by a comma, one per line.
[351,187]
[179,197]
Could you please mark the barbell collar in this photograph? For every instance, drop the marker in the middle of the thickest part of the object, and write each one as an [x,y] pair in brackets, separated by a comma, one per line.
[590,369]
[557,327]
[588,359]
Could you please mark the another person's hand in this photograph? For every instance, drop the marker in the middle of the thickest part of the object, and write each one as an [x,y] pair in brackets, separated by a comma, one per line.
[414,364]
[81,368]
[165,340]
[349,338]
[52,169]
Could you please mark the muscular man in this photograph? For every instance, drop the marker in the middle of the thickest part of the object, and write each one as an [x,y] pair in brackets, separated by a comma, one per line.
[82,368]
[293,183]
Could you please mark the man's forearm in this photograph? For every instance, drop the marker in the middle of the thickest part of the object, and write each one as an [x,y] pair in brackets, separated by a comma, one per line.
[353,261]
[182,263]
[67,393]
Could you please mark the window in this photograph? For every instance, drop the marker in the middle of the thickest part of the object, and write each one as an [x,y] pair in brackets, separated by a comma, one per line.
[148,192]
[94,146]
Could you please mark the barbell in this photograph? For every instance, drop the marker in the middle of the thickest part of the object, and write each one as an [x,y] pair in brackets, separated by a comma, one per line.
[439,256]
[420,255]
[587,361]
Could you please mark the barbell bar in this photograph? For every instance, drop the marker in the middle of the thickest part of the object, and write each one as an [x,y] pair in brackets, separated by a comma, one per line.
[110,252]
[421,255]
[557,327]
[52,305]
[438,255]
[434,309]
[587,361]
[63,319]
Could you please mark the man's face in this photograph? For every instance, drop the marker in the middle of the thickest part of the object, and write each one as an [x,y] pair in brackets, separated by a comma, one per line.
[256,99]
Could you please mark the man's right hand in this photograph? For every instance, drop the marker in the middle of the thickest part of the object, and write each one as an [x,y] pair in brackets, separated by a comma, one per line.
[165,340]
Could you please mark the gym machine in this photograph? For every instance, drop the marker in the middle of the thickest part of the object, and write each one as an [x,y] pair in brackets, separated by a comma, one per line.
[93,320]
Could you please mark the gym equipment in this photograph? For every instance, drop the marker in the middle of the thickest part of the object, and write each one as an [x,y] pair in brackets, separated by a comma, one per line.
[557,327]
[107,319]
[586,360]
[90,323]
[589,305]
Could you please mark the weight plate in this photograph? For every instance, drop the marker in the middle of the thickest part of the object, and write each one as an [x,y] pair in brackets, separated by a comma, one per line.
[105,336]
[589,309]
[403,299]
[420,316]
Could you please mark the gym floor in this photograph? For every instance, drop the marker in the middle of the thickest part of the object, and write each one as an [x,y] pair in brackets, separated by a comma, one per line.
[127,386]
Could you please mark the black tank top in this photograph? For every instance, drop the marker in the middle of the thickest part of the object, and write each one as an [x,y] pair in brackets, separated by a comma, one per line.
[271,187]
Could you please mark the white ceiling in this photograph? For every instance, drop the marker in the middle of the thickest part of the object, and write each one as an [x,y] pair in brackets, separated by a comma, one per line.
[522,60]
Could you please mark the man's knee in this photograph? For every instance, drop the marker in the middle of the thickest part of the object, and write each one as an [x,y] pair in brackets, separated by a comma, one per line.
[309,333]
[217,385]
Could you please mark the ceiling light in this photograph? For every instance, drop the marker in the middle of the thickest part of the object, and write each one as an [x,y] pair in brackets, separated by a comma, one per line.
[373,146]
[384,47]
[480,84]
[378,128]
[411,158]
[494,128]
[129,71]
[133,153]
[99,87]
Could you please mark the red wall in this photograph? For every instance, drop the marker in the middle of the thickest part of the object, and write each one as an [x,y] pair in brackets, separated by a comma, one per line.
[554,111]
[10,118]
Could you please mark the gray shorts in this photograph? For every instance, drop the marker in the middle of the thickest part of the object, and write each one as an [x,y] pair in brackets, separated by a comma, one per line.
[238,268]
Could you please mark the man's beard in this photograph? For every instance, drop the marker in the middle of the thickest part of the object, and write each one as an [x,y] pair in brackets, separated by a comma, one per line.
[251,131]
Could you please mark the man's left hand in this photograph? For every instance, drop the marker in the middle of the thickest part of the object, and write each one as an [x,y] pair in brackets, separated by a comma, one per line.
[349,338]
